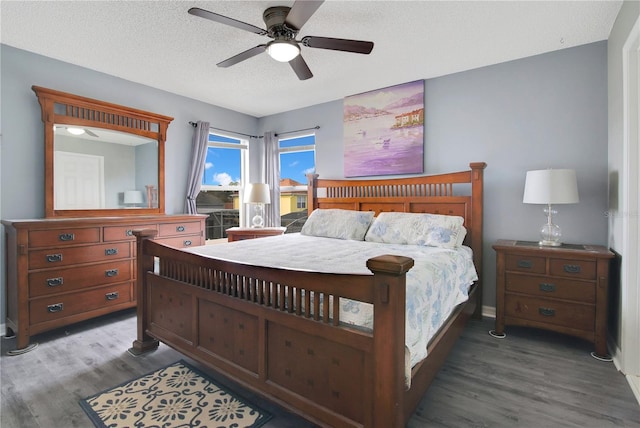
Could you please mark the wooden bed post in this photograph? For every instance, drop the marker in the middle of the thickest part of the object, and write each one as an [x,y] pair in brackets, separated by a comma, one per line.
[312,193]
[477,185]
[389,339]
[144,342]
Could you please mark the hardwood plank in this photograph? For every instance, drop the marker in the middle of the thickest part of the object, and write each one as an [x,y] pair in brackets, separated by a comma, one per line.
[531,378]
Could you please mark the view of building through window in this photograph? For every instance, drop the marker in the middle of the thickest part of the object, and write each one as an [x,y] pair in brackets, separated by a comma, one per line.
[224,179]
[297,159]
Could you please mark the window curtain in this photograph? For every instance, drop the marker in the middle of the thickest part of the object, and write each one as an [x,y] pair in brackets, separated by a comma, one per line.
[272,178]
[199,144]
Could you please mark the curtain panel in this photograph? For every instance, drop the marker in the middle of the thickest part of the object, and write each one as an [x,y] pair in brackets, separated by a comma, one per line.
[272,178]
[199,144]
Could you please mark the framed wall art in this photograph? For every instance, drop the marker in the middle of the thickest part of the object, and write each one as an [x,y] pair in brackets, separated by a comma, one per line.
[384,131]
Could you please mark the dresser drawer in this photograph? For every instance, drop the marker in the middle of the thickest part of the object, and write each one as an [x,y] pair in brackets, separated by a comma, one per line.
[551,287]
[74,278]
[54,258]
[583,269]
[56,307]
[528,264]
[183,228]
[120,233]
[573,315]
[61,237]
[181,241]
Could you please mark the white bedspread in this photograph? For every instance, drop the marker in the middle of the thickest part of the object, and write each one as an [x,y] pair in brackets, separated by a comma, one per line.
[439,280]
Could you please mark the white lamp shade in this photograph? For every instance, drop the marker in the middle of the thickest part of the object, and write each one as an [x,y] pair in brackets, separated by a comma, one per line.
[133,197]
[257,193]
[551,186]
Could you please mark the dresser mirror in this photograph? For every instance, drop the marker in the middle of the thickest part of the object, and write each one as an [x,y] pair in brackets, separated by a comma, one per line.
[101,159]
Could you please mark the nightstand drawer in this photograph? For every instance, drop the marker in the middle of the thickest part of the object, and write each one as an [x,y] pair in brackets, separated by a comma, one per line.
[574,315]
[573,268]
[548,287]
[525,263]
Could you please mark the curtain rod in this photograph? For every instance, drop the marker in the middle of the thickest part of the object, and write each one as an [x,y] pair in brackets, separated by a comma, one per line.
[297,130]
[194,124]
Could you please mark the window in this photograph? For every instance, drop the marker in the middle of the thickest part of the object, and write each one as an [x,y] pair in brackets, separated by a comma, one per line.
[301,202]
[222,184]
[297,159]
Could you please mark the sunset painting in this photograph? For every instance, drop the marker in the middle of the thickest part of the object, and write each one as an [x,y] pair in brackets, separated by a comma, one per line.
[384,131]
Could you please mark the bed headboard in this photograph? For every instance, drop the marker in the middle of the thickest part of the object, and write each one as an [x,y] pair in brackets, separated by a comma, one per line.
[454,193]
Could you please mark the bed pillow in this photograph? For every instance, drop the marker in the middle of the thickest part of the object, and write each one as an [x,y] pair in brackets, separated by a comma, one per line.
[435,230]
[338,223]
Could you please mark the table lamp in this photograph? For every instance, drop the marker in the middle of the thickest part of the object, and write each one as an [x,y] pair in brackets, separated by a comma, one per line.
[257,194]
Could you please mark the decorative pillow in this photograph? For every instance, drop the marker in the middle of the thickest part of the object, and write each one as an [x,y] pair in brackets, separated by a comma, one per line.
[433,230]
[337,223]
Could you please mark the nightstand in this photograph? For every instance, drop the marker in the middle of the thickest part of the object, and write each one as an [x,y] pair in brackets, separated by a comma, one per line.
[241,233]
[563,289]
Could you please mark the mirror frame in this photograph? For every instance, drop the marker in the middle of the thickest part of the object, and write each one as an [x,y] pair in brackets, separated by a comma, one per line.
[87,112]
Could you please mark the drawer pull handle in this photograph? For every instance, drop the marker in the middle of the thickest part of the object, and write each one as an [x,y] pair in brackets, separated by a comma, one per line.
[52,258]
[545,286]
[110,251]
[187,243]
[572,268]
[180,229]
[129,232]
[111,272]
[525,264]
[112,296]
[55,308]
[54,282]
[66,237]
[546,312]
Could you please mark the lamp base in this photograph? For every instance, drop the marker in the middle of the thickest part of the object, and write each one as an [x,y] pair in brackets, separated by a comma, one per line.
[546,243]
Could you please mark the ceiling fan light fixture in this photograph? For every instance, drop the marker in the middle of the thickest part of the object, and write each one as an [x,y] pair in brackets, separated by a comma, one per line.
[75,131]
[283,50]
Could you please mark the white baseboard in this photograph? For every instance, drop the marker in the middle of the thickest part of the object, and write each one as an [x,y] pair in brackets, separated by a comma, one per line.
[488,311]
[634,383]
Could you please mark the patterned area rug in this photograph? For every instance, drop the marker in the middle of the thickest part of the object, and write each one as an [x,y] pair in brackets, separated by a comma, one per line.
[175,396]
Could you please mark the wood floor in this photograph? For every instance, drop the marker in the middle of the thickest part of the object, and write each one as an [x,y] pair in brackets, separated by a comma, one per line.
[530,379]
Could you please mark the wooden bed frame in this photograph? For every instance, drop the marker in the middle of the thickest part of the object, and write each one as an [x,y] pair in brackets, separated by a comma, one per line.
[255,326]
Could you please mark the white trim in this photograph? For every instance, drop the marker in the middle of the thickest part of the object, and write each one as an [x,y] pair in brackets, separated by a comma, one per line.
[634,383]
[630,271]
[489,311]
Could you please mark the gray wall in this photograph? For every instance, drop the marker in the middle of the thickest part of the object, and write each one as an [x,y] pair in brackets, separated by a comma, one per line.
[547,111]
[544,111]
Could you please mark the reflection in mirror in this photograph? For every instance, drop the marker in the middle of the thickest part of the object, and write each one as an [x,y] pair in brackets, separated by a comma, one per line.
[96,168]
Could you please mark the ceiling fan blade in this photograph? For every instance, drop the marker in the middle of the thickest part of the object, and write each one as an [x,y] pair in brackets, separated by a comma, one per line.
[301,68]
[226,20]
[301,11]
[355,46]
[242,56]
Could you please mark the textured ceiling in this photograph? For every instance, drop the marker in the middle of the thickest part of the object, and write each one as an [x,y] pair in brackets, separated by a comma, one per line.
[157,43]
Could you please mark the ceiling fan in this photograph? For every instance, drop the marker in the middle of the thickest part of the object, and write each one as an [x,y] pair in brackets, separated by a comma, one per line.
[283,24]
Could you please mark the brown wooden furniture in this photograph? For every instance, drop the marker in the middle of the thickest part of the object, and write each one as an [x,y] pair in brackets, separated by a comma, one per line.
[62,110]
[563,289]
[61,271]
[250,322]
[241,233]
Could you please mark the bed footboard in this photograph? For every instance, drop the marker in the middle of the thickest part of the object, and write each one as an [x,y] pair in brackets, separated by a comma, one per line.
[278,332]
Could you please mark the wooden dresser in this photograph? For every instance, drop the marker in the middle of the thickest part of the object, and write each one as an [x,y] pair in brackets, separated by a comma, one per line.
[61,271]
[563,289]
